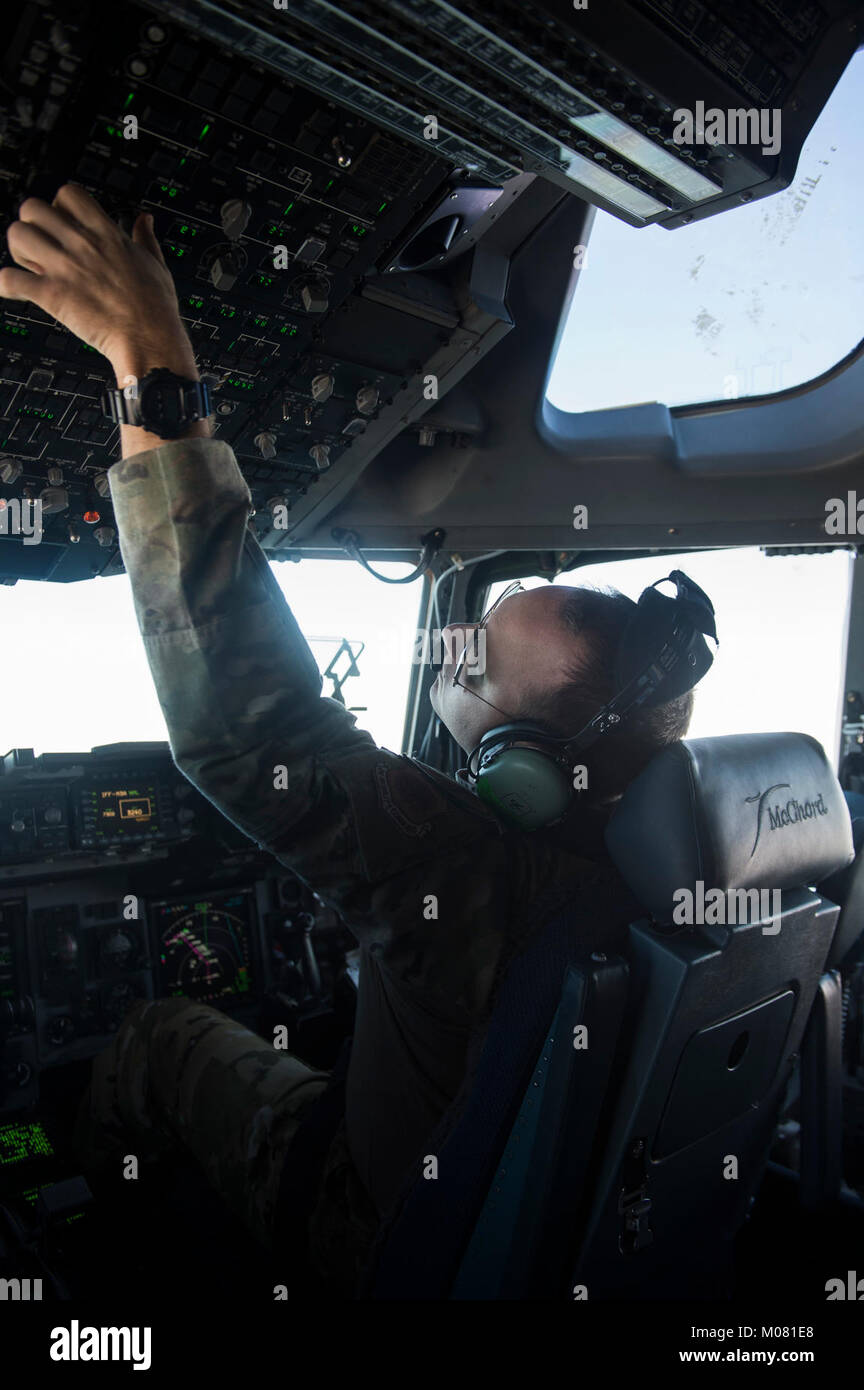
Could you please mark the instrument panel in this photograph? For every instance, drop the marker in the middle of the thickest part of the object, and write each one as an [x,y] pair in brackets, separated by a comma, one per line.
[273,205]
[71,804]
[120,882]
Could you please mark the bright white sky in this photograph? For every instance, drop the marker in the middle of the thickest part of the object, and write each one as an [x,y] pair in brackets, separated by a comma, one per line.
[79,675]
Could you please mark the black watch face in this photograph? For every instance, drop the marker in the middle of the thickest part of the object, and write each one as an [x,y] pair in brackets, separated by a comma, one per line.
[162,406]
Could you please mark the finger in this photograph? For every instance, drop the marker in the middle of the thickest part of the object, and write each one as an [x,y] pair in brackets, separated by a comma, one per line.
[52,221]
[20,284]
[144,235]
[77,204]
[31,247]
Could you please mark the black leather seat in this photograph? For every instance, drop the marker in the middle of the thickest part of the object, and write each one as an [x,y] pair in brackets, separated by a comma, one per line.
[625,1165]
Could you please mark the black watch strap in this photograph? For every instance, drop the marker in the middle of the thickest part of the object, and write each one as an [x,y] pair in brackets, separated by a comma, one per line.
[162,402]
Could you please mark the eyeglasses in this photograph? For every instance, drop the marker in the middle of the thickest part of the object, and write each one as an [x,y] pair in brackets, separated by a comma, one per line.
[514,588]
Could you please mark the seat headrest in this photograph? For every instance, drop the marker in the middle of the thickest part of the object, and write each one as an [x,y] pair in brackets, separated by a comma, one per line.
[740,811]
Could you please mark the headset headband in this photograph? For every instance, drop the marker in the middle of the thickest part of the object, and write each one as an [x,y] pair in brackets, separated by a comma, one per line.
[662,654]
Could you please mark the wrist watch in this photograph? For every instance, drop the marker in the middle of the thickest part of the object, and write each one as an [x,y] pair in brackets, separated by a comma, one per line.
[162,403]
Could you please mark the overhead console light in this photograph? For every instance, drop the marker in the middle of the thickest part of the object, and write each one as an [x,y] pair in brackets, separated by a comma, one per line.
[603,100]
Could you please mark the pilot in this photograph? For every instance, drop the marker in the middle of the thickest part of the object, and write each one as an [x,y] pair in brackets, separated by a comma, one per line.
[439,890]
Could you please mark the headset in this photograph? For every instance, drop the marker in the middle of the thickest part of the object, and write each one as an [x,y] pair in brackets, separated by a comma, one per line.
[662,654]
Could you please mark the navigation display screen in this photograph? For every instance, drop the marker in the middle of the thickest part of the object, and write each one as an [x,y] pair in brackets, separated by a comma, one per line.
[204,947]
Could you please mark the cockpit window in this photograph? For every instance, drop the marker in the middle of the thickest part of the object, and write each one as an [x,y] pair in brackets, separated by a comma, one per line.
[753,302]
[781,621]
[80,677]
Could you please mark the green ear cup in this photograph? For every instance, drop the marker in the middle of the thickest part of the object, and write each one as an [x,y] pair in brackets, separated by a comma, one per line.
[525,788]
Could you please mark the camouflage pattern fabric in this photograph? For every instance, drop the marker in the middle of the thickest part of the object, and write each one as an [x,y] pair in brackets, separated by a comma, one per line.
[181,1073]
[437,891]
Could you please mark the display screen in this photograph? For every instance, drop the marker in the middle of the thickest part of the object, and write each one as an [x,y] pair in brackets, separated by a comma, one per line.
[204,947]
[23,1140]
[119,811]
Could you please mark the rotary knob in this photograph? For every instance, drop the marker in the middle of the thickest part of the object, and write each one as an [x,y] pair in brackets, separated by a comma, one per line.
[265,443]
[21,1074]
[322,386]
[314,298]
[235,216]
[60,1030]
[10,470]
[367,399]
[54,499]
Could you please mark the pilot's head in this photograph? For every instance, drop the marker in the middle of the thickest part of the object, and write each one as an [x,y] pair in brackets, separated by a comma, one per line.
[550,657]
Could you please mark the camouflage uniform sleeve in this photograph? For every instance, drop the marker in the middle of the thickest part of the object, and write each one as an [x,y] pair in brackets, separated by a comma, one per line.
[241,695]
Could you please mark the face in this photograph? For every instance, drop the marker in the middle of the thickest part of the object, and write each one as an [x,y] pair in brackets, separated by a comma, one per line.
[528,650]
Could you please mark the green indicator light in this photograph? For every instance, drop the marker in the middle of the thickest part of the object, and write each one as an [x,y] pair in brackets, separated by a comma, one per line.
[330,183]
[204,131]
[382,207]
[230,345]
[289,207]
[130,98]
[172,192]
[182,162]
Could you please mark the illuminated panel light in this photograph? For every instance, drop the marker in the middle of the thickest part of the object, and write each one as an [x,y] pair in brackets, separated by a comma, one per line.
[635,147]
[294,63]
[515,67]
[609,186]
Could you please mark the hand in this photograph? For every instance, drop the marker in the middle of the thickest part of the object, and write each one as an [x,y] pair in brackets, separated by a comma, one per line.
[112,291]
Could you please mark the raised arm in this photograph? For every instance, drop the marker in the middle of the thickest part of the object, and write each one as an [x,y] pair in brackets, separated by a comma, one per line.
[240,689]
